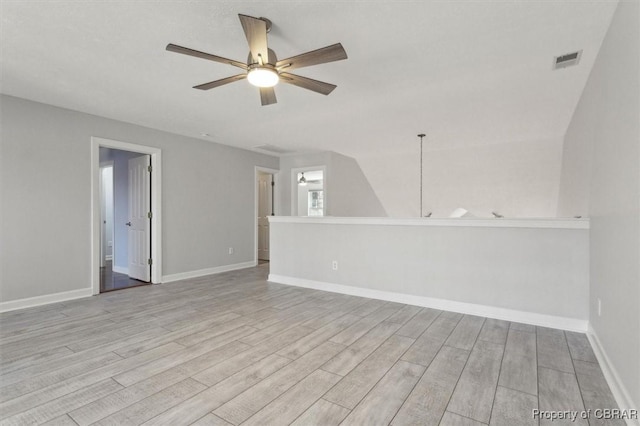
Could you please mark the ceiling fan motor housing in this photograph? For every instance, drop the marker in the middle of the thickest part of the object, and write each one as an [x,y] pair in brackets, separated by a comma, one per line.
[271,60]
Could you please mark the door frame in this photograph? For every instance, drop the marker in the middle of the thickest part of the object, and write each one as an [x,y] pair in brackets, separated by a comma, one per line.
[156,204]
[273,172]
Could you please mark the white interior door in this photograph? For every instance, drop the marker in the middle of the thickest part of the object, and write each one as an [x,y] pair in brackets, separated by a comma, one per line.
[264,210]
[139,234]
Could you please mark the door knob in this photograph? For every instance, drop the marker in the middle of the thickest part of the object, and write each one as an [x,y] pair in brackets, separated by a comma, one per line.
[128,223]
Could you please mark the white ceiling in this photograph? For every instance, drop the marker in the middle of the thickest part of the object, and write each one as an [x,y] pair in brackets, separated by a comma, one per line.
[464,72]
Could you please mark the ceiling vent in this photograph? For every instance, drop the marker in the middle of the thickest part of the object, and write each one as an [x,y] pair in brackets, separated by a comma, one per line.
[567,60]
[274,149]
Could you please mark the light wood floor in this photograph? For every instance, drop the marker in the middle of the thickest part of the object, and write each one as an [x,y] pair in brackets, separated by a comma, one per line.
[235,349]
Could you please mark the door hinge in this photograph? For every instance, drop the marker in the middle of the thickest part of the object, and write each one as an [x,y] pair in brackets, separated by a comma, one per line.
[150,261]
[150,215]
[150,169]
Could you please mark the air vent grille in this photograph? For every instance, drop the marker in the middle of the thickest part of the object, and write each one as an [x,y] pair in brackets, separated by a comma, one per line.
[567,60]
[274,149]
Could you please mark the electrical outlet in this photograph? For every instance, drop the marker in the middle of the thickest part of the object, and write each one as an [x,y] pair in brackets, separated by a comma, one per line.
[230,250]
[599,308]
[334,265]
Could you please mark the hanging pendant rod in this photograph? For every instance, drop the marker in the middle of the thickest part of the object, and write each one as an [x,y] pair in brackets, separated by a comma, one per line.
[421,136]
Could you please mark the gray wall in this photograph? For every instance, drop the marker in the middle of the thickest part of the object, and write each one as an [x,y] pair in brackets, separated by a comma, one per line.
[207,202]
[601,174]
[524,267]
[348,193]
[518,179]
[351,193]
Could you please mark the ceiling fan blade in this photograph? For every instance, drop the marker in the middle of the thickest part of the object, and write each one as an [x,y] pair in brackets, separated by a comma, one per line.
[307,83]
[332,53]
[203,55]
[267,96]
[256,32]
[221,82]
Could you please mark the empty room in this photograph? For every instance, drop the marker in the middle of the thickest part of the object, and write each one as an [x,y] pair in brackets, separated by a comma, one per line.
[320,213]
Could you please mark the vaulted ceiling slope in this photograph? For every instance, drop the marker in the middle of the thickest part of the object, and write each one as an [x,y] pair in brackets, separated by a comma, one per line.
[466,73]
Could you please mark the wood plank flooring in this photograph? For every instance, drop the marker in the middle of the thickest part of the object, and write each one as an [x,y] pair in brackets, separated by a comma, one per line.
[232,349]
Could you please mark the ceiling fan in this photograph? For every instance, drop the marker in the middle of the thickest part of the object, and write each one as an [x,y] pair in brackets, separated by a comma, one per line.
[263,69]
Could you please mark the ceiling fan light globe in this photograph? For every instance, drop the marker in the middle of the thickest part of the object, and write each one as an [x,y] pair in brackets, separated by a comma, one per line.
[263,77]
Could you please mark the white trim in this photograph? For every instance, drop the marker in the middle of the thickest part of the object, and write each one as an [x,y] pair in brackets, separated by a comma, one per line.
[618,389]
[294,188]
[208,271]
[272,172]
[564,323]
[156,204]
[464,222]
[120,269]
[29,302]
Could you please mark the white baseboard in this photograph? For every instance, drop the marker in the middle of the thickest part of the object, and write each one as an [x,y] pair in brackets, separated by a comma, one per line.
[618,389]
[207,271]
[29,302]
[120,269]
[564,323]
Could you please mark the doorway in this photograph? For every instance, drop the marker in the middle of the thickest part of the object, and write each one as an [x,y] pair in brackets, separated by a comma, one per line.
[125,215]
[125,238]
[264,207]
[308,192]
